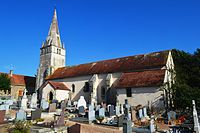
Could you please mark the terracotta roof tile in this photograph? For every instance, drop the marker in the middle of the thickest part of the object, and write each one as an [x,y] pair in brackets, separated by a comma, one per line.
[141,79]
[124,64]
[58,86]
[23,80]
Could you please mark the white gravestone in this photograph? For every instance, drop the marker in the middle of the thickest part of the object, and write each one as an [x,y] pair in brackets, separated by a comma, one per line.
[145,112]
[34,101]
[195,117]
[102,112]
[21,115]
[140,114]
[44,104]
[81,102]
[24,100]
[91,113]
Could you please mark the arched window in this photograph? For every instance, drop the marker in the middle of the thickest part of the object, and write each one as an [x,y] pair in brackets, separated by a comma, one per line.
[103,91]
[73,88]
[86,87]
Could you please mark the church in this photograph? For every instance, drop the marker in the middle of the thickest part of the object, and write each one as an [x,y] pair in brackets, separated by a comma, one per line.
[138,78]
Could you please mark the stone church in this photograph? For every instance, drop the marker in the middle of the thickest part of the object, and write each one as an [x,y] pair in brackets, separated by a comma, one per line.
[138,78]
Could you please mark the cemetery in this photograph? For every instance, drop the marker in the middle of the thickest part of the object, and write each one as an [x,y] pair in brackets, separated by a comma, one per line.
[79,116]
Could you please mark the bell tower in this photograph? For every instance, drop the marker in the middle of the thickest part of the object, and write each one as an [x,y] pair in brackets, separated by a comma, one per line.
[52,53]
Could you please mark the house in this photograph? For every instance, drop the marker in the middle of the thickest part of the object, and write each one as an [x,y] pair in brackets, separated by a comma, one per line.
[19,83]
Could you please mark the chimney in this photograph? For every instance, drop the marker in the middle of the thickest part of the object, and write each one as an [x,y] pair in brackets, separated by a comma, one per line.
[11,73]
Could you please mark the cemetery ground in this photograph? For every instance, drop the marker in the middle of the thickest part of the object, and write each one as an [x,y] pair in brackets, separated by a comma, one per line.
[27,115]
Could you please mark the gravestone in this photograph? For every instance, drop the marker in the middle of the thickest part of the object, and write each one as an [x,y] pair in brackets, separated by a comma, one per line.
[171,115]
[81,102]
[21,115]
[152,127]
[140,114]
[111,110]
[120,119]
[2,116]
[34,101]
[44,104]
[24,100]
[117,110]
[61,119]
[133,115]
[102,112]
[52,107]
[98,107]
[63,104]
[36,114]
[69,103]
[195,118]
[75,104]
[145,112]
[4,107]
[127,126]
[121,109]
[108,107]
[127,110]
[91,113]
[81,110]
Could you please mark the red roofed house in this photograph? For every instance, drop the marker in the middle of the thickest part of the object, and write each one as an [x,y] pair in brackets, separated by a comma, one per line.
[19,83]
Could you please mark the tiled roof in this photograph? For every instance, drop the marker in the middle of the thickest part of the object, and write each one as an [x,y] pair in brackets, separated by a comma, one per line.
[124,64]
[58,86]
[151,78]
[21,80]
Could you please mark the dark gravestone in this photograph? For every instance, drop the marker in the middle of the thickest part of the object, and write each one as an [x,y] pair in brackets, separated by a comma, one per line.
[60,120]
[36,114]
[111,110]
[81,110]
[52,107]
[120,120]
[126,110]
[2,116]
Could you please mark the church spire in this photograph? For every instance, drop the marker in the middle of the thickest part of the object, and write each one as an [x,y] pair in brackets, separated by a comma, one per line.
[54,35]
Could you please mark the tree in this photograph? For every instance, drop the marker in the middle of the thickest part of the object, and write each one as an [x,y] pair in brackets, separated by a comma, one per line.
[187,81]
[5,82]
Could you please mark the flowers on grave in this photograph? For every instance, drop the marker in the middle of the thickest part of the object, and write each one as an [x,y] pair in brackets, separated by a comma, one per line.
[100,118]
[40,120]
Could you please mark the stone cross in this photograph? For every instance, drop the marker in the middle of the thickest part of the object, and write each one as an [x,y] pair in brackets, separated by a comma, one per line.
[195,117]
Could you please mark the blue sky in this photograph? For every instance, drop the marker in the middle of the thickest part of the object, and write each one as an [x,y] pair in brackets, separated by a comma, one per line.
[95,30]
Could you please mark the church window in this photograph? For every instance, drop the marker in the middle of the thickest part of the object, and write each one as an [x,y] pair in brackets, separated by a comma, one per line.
[86,87]
[73,88]
[128,92]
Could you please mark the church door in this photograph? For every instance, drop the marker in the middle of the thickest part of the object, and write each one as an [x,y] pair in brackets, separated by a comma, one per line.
[50,96]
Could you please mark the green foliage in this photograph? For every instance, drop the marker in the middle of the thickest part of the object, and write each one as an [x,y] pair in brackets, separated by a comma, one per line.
[187,83]
[20,127]
[5,82]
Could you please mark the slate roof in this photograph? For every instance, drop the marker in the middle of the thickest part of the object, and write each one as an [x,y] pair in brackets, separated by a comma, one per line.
[150,78]
[58,85]
[124,64]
